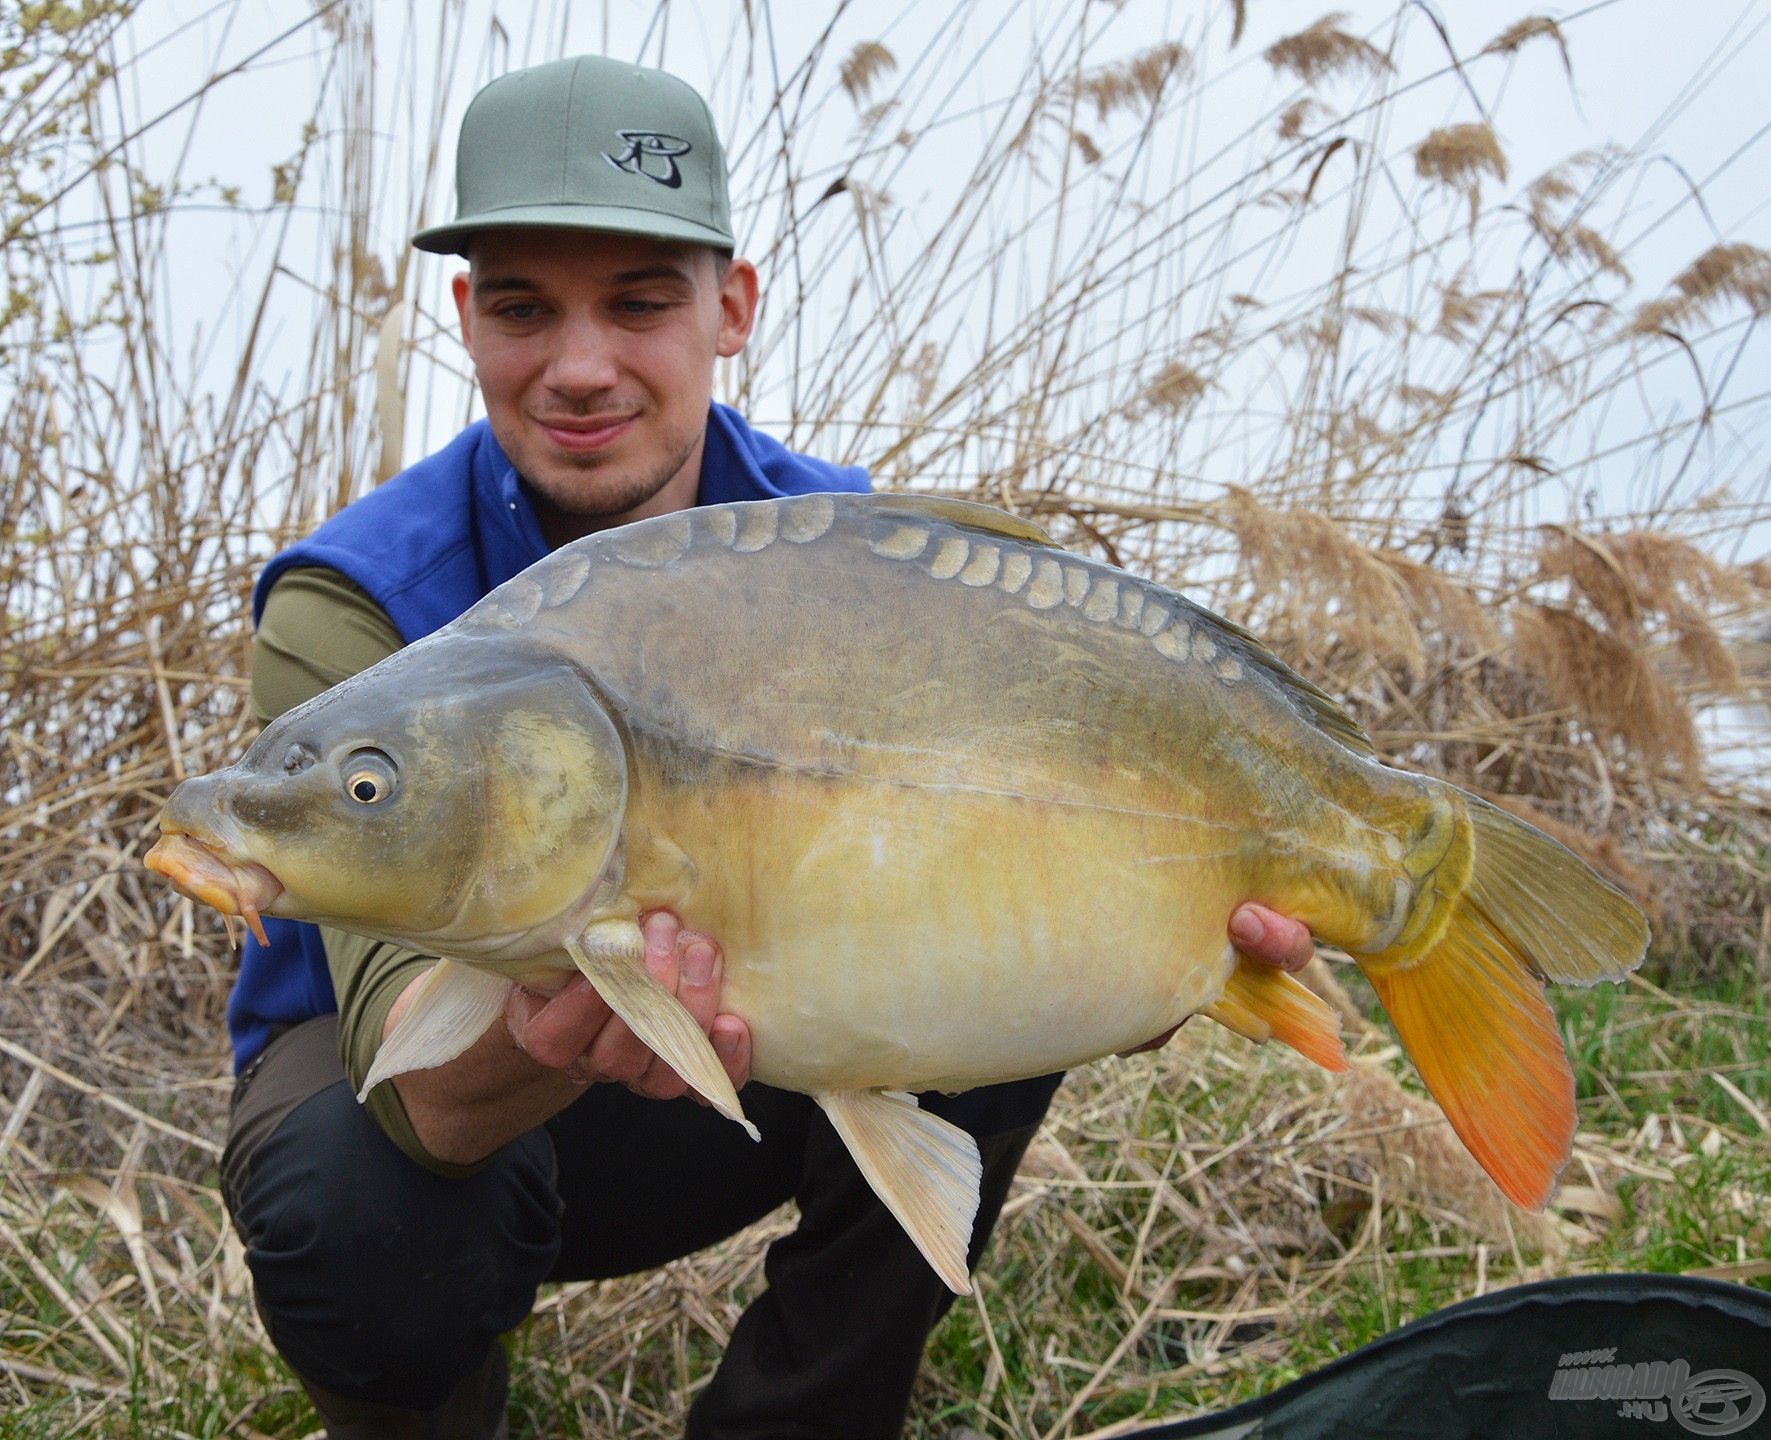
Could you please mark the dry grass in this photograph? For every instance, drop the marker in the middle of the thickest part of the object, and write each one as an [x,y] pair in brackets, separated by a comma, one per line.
[1408,456]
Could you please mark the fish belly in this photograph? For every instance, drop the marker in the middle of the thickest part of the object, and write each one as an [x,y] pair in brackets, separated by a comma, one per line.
[918,938]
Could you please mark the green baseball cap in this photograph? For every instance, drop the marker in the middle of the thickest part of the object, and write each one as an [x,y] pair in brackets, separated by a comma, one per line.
[588,144]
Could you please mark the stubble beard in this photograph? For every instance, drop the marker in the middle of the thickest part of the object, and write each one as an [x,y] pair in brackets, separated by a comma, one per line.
[587,495]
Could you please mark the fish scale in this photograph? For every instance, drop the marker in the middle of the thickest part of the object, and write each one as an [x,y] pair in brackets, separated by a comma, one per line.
[950,555]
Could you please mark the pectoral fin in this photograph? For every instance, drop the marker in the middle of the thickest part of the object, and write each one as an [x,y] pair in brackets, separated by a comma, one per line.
[924,1169]
[451,1007]
[612,955]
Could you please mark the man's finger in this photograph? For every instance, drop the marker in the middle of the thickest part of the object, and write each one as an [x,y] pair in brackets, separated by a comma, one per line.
[731,1042]
[1276,939]
[617,1053]
[558,1032]
[666,947]
[700,969]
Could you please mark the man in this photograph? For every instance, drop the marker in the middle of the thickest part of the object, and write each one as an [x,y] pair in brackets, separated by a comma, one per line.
[391,1244]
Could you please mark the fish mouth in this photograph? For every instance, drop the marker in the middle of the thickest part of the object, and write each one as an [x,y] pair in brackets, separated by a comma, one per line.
[205,874]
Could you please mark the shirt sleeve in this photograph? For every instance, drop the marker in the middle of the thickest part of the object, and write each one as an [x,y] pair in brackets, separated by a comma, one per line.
[317,629]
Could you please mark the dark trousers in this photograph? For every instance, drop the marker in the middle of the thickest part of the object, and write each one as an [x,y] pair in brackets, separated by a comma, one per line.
[384,1285]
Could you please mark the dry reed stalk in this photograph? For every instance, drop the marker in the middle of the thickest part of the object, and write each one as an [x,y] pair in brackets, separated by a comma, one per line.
[1522,32]
[1318,579]
[1174,387]
[867,62]
[1324,50]
[1730,272]
[1640,577]
[1301,115]
[1136,82]
[1457,155]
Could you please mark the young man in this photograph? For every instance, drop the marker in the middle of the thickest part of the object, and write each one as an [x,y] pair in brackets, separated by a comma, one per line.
[391,1244]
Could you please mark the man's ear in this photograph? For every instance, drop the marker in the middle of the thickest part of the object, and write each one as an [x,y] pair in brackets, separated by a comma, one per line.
[737,306]
[462,289]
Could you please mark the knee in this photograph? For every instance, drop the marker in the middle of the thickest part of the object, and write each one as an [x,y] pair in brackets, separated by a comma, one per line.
[376,1278]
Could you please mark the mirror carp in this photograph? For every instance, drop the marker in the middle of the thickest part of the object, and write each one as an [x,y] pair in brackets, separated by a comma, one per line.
[961,808]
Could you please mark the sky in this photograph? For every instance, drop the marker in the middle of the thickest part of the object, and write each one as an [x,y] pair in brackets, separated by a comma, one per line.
[1679,88]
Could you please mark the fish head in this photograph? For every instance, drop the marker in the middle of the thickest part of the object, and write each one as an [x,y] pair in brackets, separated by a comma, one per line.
[458,797]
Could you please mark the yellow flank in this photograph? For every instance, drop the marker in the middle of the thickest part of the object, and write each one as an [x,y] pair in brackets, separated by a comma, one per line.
[879,936]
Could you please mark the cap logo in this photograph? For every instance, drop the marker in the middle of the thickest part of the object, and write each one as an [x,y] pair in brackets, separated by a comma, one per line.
[646,152]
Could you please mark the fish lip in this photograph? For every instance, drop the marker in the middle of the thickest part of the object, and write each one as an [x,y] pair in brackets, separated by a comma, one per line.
[203,870]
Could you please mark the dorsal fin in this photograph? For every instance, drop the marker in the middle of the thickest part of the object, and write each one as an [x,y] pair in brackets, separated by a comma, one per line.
[1320,708]
[968,513]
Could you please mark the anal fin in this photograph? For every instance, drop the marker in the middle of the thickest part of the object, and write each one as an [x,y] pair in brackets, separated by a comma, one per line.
[924,1169]
[451,1006]
[612,955]
[1263,1003]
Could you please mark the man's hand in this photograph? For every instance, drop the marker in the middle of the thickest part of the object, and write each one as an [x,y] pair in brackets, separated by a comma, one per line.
[1261,934]
[548,1048]
[575,1033]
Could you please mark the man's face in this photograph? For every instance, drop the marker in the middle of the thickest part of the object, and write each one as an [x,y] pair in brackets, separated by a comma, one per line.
[595,355]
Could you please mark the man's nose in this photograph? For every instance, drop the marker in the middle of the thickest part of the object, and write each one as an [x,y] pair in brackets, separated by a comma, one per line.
[585,360]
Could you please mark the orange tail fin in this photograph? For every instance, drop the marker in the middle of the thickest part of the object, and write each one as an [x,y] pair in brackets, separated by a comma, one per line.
[1476,1023]
[1468,998]
[1264,1004]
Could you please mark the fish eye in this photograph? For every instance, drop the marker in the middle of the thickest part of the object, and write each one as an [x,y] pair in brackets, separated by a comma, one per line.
[369,777]
[298,757]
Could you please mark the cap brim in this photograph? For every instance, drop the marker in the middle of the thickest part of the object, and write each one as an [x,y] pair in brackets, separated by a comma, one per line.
[452,239]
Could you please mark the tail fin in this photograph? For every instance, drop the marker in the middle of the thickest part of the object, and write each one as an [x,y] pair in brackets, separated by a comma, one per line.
[1264,1004]
[1468,998]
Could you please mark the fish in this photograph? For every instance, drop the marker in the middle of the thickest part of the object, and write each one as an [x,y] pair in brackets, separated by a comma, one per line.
[961,807]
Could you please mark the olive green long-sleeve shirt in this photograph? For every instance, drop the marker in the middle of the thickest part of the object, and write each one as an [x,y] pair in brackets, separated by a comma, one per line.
[317,629]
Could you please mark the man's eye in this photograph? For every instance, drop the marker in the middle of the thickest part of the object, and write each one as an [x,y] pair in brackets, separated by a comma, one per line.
[641,307]
[524,311]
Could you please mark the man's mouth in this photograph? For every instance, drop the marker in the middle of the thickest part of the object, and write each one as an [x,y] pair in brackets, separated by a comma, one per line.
[582,433]
[206,875]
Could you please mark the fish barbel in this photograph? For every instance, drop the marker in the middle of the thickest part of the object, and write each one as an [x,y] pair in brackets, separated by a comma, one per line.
[960,807]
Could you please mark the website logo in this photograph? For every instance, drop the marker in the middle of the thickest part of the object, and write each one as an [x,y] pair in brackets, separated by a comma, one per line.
[1712,1402]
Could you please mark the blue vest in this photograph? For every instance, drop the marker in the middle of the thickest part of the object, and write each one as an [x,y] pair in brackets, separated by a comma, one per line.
[425,546]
